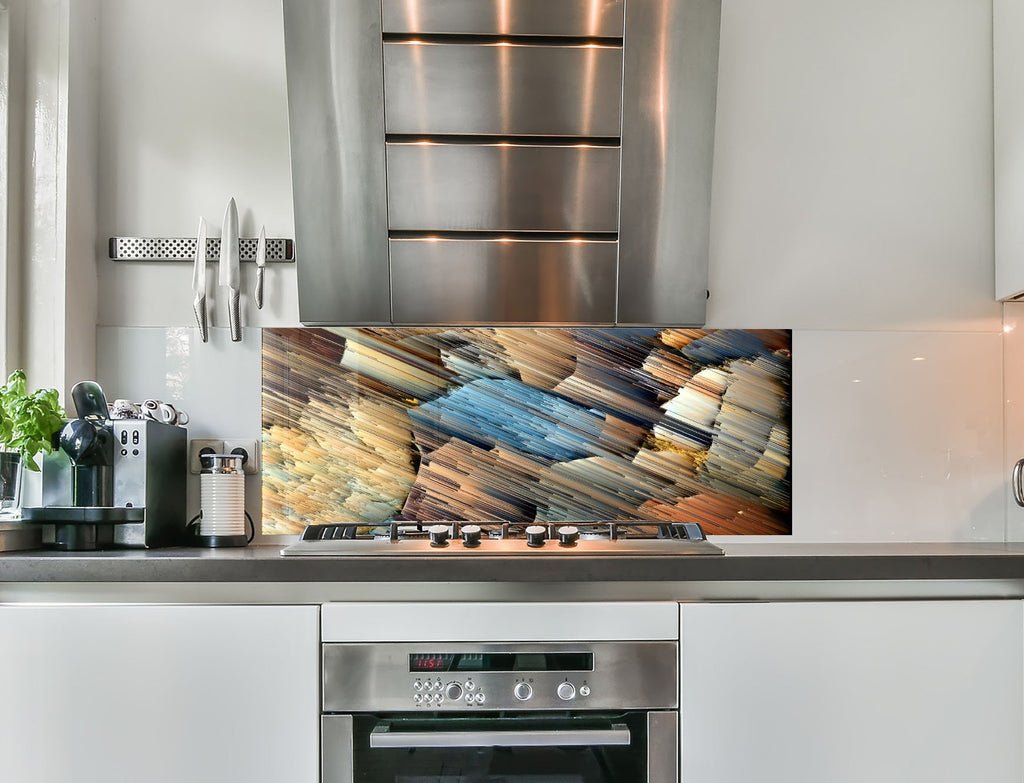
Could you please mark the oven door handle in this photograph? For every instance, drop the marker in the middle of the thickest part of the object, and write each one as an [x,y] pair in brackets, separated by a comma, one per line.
[382,737]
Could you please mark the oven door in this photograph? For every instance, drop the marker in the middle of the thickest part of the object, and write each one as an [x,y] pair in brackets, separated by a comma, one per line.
[633,747]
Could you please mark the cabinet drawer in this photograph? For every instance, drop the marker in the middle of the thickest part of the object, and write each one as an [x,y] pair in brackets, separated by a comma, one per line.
[507,281]
[502,187]
[600,18]
[502,89]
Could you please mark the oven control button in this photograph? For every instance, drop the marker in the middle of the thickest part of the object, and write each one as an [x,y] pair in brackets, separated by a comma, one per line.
[535,535]
[568,535]
[453,691]
[417,686]
[438,698]
[522,691]
[417,699]
[470,685]
[479,698]
[469,698]
[584,690]
[471,535]
[566,691]
[438,535]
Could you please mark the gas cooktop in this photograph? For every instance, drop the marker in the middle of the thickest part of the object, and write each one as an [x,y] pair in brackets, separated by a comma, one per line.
[502,538]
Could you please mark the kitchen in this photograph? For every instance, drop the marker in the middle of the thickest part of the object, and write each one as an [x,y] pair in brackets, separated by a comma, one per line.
[852,202]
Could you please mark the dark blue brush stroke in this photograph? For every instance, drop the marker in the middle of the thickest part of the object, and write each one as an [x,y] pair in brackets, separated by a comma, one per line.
[498,412]
[724,346]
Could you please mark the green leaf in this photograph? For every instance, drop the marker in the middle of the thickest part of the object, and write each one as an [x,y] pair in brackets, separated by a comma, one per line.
[28,422]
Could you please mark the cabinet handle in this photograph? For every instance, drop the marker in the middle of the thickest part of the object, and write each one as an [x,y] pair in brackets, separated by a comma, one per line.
[383,737]
[1018,488]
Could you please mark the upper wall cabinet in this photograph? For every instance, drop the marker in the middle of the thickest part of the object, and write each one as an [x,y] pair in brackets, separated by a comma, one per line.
[1008,108]
[502,161]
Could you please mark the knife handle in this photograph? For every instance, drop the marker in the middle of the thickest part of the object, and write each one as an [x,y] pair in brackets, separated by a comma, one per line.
[235,317]
[258,294]
[199,306]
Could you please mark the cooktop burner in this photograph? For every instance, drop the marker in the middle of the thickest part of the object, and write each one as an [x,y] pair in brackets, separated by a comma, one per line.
[502,538]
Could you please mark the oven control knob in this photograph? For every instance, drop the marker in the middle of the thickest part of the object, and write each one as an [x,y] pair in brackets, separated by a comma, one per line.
[535,535]
[568,535]
[438,535]
[522,691]
[471,535]
[584,690]
[453,691]
[566,691]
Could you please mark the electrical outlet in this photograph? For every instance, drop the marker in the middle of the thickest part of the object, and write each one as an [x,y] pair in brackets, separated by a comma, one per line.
[248,448]
[199,446]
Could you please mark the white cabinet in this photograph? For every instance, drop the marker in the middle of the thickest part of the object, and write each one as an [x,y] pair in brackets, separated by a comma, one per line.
[159,694]
[1008,133]
[901,691]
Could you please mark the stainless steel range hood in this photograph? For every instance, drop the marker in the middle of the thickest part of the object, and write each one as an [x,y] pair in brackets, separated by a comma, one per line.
[502,161]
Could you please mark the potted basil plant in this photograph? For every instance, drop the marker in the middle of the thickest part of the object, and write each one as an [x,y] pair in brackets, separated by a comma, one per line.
[28,423]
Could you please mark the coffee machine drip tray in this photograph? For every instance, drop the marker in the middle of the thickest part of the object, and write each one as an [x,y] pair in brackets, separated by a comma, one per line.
[96,515]
[83,527]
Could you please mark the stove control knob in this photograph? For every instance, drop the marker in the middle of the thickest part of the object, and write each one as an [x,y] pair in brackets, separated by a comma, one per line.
[568,535]
[522,691]
[566,691]
[453,691]
[438,535]
[535,535]
[471,535]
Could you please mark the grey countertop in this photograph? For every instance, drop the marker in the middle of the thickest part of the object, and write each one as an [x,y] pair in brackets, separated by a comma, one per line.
[743,562]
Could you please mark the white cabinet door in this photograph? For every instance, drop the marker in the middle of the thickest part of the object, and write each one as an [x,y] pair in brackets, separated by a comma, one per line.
[159,694]
[896,692]
[1008,121]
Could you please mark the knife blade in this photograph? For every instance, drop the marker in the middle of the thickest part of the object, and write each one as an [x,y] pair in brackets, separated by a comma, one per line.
[199,282]
[261,262]
[229,275]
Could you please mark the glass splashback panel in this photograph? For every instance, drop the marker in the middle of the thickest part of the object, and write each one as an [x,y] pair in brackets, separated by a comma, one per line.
[527,424]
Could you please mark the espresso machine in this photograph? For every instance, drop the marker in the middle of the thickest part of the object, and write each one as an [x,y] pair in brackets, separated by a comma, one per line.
[113,483]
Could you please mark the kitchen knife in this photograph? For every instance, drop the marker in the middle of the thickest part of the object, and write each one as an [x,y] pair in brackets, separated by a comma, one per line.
[199,282]
[229,275]
[261,262]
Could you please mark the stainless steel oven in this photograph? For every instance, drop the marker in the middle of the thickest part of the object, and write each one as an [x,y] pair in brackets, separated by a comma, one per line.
[522,712]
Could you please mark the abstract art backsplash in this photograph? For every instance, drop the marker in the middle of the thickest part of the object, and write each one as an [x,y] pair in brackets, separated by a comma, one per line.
[520,424]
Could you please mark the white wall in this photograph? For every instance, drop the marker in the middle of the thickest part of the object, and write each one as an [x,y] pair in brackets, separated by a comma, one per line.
[194,111]
[852,202]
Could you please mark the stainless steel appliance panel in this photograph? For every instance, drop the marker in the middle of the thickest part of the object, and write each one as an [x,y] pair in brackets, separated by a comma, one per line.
[150,472]
[376,678]
[597,18]
[663,747]
[502,89]
[518,281]
[336,748]
[336,120]
[667,146]
[502,187]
